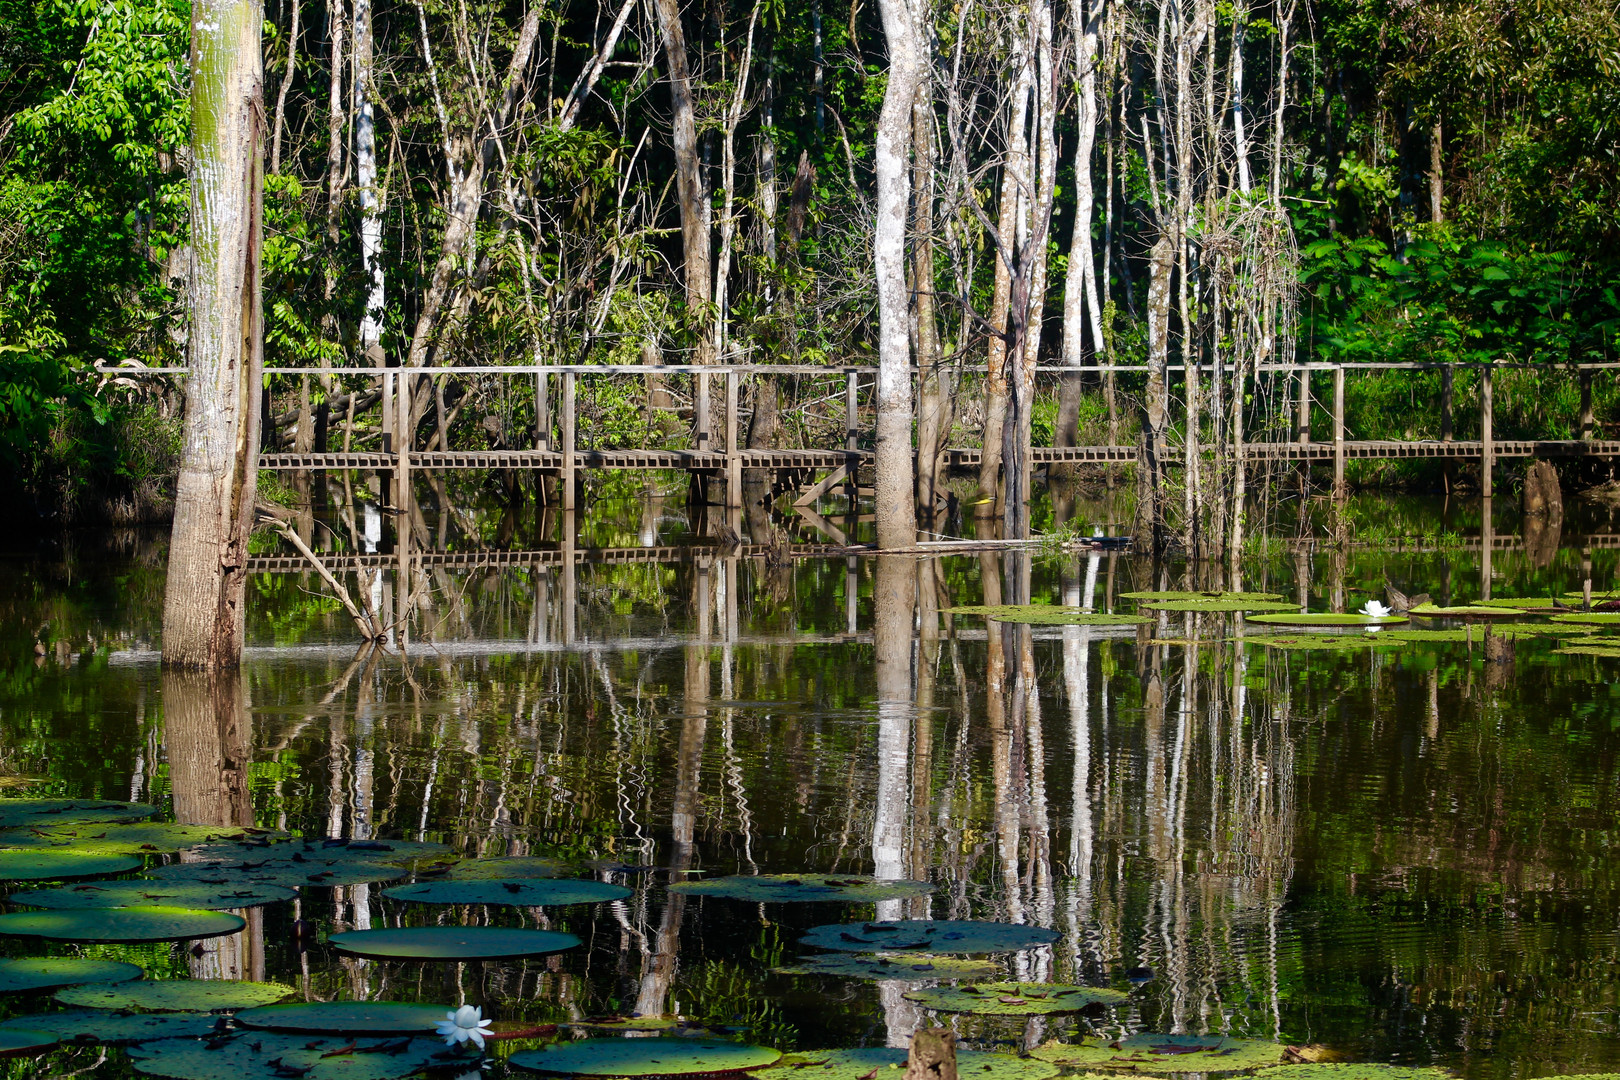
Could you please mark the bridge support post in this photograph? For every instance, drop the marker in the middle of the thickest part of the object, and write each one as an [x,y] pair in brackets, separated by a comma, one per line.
[402,475]
[1586,406]
[568,465]
[852,422]
[542,411]
[733,457]
[1302,409]
[1487,450]
[700,410]
[1338,432]
[1447,432]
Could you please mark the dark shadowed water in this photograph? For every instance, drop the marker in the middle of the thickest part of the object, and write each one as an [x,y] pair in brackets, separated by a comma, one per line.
[1407,854]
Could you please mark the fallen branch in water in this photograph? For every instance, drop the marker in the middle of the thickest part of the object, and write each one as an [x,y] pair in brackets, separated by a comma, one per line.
[363,622]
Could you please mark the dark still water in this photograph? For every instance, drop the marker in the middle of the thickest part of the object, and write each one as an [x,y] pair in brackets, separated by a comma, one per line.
[1404,853]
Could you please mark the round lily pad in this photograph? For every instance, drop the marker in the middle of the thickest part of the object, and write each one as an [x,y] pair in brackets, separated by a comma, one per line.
[451,943]
[1202,597]
[1360,1070]
[1325,618]
[50,972]
[1149,1052]
[1602,651]
[96,1026]
[176,995]
[1014,998]
[44,813]
[346,1017]
[901,967]
[535,892]
[802,888]
[121,925]
[252,1055]
[873,1062]
[928,935]
[141,838]
[1522,603]
[631,1023]
[25,1042]
[23,864]
[645,1057]
[1217,605]
[1477,634]
[1325,642]
[1048,615]
[1595,617]
[188,894]
[286,870]
[1466,611]
[505,868]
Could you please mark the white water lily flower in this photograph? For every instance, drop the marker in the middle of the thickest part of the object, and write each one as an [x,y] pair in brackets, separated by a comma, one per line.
[466,1024]
[1375,610]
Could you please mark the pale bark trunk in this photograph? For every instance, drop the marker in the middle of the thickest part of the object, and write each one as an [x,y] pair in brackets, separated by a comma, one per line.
[728,172]
[335,166]
[765,183]
[214,496]
[286,84]
[895,489]
[363,93]
[587,80]
[1080,282]
[1161,262]
[933,406]
[1240,20]
[1437,181]
[688,175]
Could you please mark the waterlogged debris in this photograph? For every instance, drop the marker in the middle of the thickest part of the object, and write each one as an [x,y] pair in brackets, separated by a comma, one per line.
[145,838]
[1047,615]
[44,813]
[1014,998]
[928,935]
[177,995]
[645,1057]
[1156,1053]
[252,1055]
[23,864]
[804,888]
[186,894]
[51,972]
[902,967]
[518,893]
[1325,618]
[121,925]
[1217,606]
[888,1063]
[1202,597]
[451,943]
[103,1026]
[1465,611]
[506,868]
[347,1017]
[1354,1071]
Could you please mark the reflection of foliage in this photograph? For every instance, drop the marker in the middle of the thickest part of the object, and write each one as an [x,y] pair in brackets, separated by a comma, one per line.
[722,995]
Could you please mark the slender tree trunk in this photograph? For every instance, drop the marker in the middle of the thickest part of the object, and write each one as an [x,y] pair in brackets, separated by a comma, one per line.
[896,488]
[204,597]
[688,176]
[1080,282]
[1437,180]
[286,83]
[363,93]
[933,407]
[1240,23]
[728,172]
[1161,262]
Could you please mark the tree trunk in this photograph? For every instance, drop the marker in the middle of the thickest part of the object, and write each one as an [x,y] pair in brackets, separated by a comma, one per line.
[1161,262]
[895,490]
[365,174]
[1437,180]
[286,84]
[1080,282]
[204,597]
[688,176]
[933,406]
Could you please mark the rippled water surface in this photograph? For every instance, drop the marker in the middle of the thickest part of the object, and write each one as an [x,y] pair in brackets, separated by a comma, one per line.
[1406,854]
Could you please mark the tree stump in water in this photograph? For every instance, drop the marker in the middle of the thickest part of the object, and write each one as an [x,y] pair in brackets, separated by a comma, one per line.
[933,1055]
[1543,497]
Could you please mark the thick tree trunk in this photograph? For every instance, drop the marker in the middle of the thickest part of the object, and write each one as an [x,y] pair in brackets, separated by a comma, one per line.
[896,498]
[688,176]
[204,597]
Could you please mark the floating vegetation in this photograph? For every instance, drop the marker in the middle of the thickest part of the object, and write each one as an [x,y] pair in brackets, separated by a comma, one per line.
[802,888]
[1353,1071]
[346,1017]
[1523,603]
[1014,998]
[121,925]
[645,1057]
[177,995]
[51,972]
[299,862]
[1313,642]
[1465,611]
[631,1023]
[45,813]
[23,864]
[1203,597]
[1603,618]
[541,892]
[256,1055]
[142,838]
[1217,606]
[1048,615]
[451,943]
[25,1042]
[506,867]
[1150,1052]
[1326,618]
[1605,651]
[186,894]
[314,849]
[928,935]
[869,1063]
[110,1026]
[903,967]
[1477,634]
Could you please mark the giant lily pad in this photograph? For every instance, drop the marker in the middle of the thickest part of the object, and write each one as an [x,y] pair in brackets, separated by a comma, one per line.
[255,1055]
[44,813]
[296,863]
[451,943]
[1014,998]
[1324,642]
[801,888]
[928,935]
[143,838]
[121,925]
[50,972]
[1047,615]
[1149,1052]
[538,892]
[1201,597]
[1217,605]
[97,1026]
[176,995]
[25,1042]
[1594,617]
[346,1017]
[645,1057]
[505,868]
[902,967]
[873,1062]
[23,864]
[1522,603]
[1326,618]
[187,894]
[1610,652]
[1477,634]
[1466,611]
[1349,1070]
